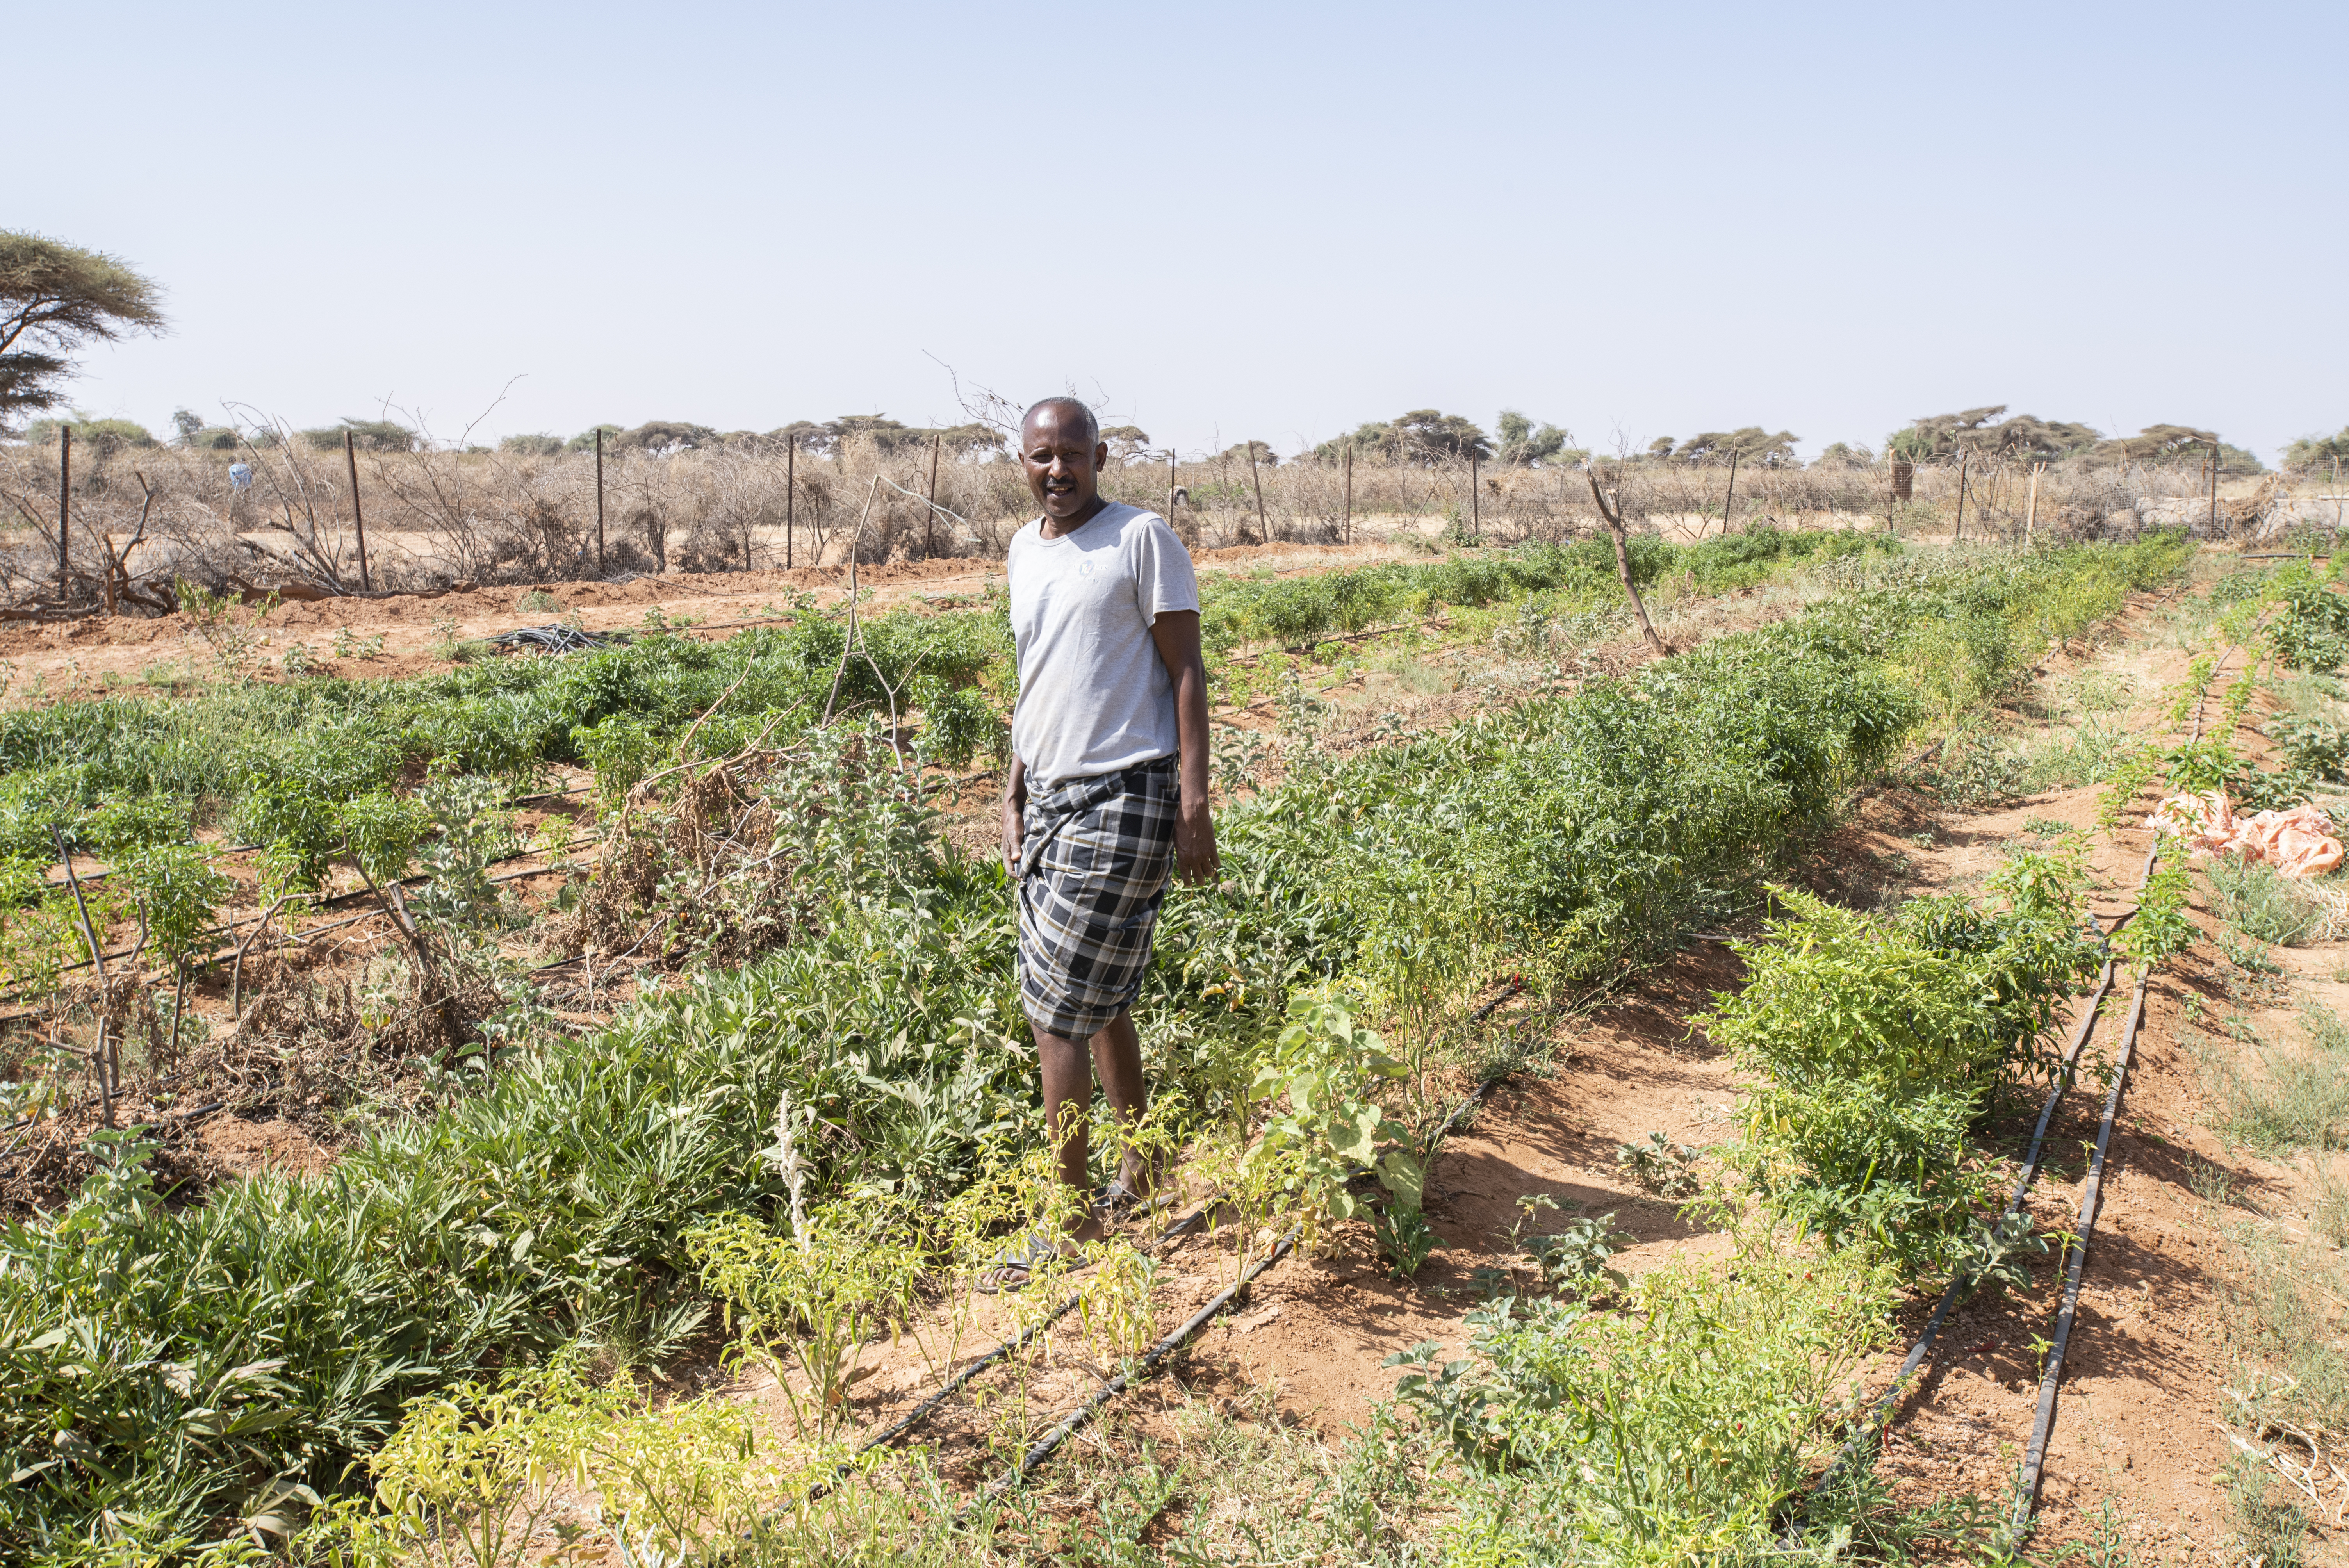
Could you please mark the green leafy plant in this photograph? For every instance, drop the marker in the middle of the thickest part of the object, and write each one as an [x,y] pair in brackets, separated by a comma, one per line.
[1320,1126]
[2311,630]
[2312,745]
[811,1303]
[1660,1166]
[1877,1053]
[1671,1433]
[1405,1238]
[1574,1261]
[2161,929]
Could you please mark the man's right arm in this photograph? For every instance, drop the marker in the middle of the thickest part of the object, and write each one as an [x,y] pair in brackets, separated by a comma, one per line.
[1015,803]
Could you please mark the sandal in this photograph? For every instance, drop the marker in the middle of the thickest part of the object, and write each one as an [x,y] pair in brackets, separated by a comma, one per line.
[1118,1201]
[1015,1267]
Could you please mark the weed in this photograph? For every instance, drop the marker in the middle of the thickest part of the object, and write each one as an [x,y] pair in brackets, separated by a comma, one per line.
[2262,903]
[2134,768]
[2318,747]
[213,618]
[1405,1239]
[1574,1261]
[1659,1167]
[1671,1430]
[348,645]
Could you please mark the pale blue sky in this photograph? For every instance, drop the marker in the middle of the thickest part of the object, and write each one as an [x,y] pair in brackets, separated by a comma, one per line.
[1260,220]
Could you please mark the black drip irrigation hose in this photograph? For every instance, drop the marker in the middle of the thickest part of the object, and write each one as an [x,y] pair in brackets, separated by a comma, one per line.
[1141,1371]
[1156,1356]
[972,1368]
[2034,1462]
[1871,1426]
[2033,1472]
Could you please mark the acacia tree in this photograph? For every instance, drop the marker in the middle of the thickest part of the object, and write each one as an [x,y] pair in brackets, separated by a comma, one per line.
[54,299]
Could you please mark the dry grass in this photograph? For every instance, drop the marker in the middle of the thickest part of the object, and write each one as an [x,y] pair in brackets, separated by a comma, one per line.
[440,516]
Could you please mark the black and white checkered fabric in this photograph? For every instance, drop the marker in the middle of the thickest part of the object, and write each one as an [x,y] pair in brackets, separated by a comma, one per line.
[1094,859]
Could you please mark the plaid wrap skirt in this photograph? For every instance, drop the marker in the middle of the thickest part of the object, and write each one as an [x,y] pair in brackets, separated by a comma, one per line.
[1094,858]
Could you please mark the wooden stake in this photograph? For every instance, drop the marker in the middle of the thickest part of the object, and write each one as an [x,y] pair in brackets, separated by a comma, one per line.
[108,1073]
[1348,536]
[1623,563]
[65,492]
[1476,503]
[2214,490]
[1960,532]
[929,544]
[1731,495]
[791,492]
[358,522]
[599,497]
[2031,511]
[1263,529]
[1170,487]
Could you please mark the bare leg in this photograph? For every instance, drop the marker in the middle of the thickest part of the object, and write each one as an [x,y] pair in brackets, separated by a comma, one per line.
[1116,1052]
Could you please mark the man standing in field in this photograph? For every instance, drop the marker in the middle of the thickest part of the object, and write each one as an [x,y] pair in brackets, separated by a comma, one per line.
[1108,789]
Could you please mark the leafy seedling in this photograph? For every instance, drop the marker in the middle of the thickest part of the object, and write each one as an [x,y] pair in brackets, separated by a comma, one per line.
[1659,1166]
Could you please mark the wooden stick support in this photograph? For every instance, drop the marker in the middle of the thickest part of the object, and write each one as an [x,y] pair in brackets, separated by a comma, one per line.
[1263,529]
[1348,536]
[109,1071]
[930,518]
[1616,530]
[65,495]
[599,497]
[358,521]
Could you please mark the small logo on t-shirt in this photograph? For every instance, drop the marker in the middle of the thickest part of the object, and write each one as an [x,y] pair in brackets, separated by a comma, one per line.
[1085,568]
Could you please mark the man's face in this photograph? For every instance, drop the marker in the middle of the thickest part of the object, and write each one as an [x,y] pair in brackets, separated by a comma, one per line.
[1064,471]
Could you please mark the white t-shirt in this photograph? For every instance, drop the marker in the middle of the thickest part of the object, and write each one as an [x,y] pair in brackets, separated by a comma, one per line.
[1095,695]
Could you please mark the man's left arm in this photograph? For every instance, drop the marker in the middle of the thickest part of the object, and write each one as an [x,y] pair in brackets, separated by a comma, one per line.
[1176,632]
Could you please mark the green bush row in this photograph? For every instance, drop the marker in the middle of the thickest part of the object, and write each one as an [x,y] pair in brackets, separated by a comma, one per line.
[1294,611]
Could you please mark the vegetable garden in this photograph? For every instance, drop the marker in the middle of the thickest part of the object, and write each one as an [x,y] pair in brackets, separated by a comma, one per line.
[809,1136]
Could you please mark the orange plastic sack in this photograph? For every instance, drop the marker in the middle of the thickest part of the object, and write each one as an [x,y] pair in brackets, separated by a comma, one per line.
[2299,843]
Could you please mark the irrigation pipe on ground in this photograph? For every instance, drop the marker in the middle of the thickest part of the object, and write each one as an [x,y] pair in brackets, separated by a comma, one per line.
[2034,1461]
[1878,1419]
[1156,1356]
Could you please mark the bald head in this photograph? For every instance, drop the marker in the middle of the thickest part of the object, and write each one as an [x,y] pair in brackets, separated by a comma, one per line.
[1071,417]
